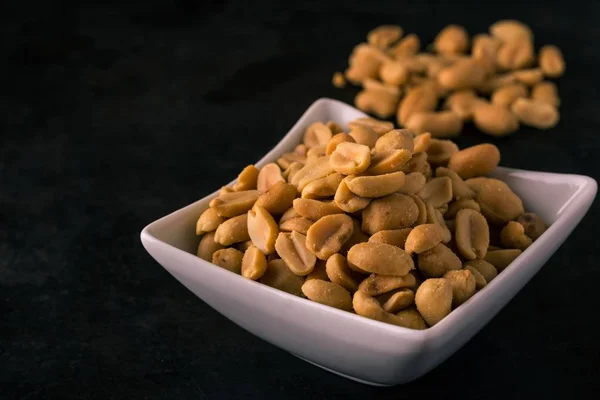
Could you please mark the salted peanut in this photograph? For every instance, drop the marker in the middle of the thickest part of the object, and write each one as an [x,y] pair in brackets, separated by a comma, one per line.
[418,163]
[324,187]
[506,95]
[246,180]
[396,139]
[480,281]
[495,120]
[364,135]
[278,198]
[395,237]
[287,159]
[463,285]
[495,82]
[484,50]
[279,276]
[499,204]
[487,270]
[312,171]
[364,63]
[545,92]
[229,259]
[394,211]
[422,142]
[552,61]
[509,29]
[440,124]
[413,183]
[208,246]
[288,214]
[243,246]
[315,153]
[208,221]
[384,36]
[434,263]
[534,226]
[376,185]
[453,39]
[426,83]
[327,293]
[502,258]
[368,307]
[422,238]
[337,139]
[400,300]
[437,191]
[435,216]
[440,151]
[376,102]
[338,272]
[291,170]
[472,234]
[254,264]
[348,201]
[234,203]
[463,74]
[319,272]
[462,204]
[298,224]
[513,236]
[422,218]
[234,230]
[269,175]
[463,103]
[338,80]
[434,300]
[380,258]
[460,190]
[420,99]
[515,55]
[350,158]
[358,236]
[315,209]
[378,126]
[408,46]
[388,162]
[377,284]
[327,235]
[478,160]
[536,114]
[393,73]
[291,247]
[316,134]
[530,76]
[262,229]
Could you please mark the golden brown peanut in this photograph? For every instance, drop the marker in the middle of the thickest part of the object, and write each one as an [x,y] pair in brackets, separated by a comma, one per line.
[453,39]
[472,234]
[375,186]
[422,142]
[506,95]
[400,300]
[463,74]
[378,102]
[315,153]
[348,201]
[334,127]
[530,76]
[487,270]
[413,183]
[536,114]
[338,80]
[393,73]
[418,163]
[394,211]
[509,29]
[278,198]
[208,246]
[463,285]
[440,151]
[413,65]
[495,82]
[317,134]
[513,236]
[515,55]
[380,258]
[368,307]
[499,204]
[376,284]
[420,99]
[434,216]
[315,209]
[463,103]
[395,237]
[364,63]
[350,158]
[279,276]
[225,189]
[299,224]
[313,170]
[397,139]
[502,258]
[338,272]
[495,120]
[290,171]
[234,230]
[327,293]
[408,46]
[388,162]
[384,36]
[462,204]
[480,281]
[422,209]
[534,226]
[422,238]
[246,180]
[437,191]
[208,221]
[484,50]
[364,135]
[431,84]
[552,61]
[324,187]
[546,92]
[262,229]
[327,235]
[358,236]
[434,300]
[243,246]
[301,149]
[287,159]
[254,264]
[440,124]
[291,247]
[475,161]
[288,214]
[378,126]
[337,139]
[460,190]
[319,272]
[434,263]
[234,203]
[229,259]
[269,175]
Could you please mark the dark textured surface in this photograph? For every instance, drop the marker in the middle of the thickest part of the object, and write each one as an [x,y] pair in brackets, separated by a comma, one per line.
[115,116]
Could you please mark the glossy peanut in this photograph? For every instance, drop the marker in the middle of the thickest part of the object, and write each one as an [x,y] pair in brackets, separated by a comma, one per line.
[478,160]
[472,234]
[434,300]
[380,258]
[434,263]
[327,293]
[208,221]
[394,211]
[234,230]
[229,259]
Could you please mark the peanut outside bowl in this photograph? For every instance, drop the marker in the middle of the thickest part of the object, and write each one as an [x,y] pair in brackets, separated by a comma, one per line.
[355,347]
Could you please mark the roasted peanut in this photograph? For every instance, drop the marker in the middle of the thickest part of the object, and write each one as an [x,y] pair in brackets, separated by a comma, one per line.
[314,153]
[533,224]
[334,127]
[552,61]
[243,246]
[509,30]
[208,221]
[506,95]
[234,203]
[397,139]
[487,270]
[434,216]
[365,136]
[378,126]
[314,209]
[384,36]
[484,50]
[394,211]
[234,230]
[513,236]
[278,198]
[502,258]
[254,264]
[380,258]
[516,54]
[463,285]
[246,180]
[440,124]
[422,142]
[472,234]
[422,238]
[480,281]
[463,74]
[230,259]
[530,76]
[337,271]
[279,276]
[208,246]
[434,263]
[499,204]
[358,236]
[453,39]
[327,235]
[437,191]
[388,162]
[395,237]
[463,103]
[292,170]
[393,73]
[536,114]
[422,209]
[269,175]
[418,163]
[262,229]
[319,272]
[327,293]
[368,307]
[348,201]
[495,120]
[401,299]
[338,80]
[322,188]
[350,158]
[382,103]
[337,139]
[291,247]
[317,134]
[462,204]
[440,151]
[376,284]
[496,82]
[475,161]
[419,99]
[434,300]
[460,190]
[299,224]
[545,92]
[312,171]
[413,183]
[375,186]
[408,46]
[286,161]
[364,63]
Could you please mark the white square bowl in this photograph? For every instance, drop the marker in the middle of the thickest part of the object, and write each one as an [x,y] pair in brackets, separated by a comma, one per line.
[358,348]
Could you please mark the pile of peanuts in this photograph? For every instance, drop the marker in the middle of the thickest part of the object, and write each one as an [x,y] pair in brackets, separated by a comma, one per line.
[392,225]
[498,86]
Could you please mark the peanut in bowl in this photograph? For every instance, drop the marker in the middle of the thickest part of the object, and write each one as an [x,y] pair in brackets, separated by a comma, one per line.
[332,333]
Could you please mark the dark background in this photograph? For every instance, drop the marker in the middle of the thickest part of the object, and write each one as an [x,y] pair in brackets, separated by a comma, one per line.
[113,116]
